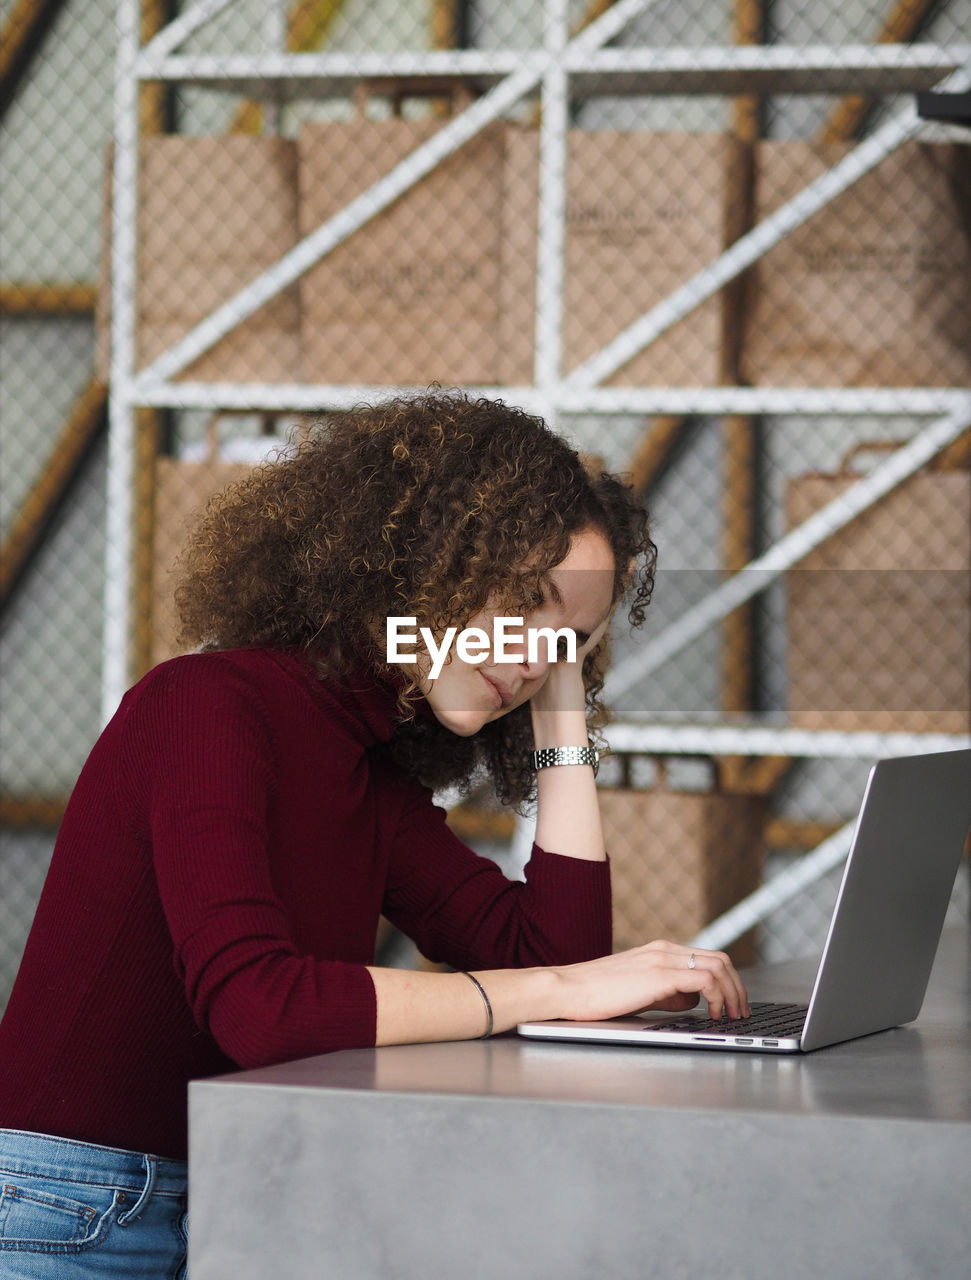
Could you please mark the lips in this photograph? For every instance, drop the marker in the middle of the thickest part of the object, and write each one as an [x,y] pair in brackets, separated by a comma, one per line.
[502,691]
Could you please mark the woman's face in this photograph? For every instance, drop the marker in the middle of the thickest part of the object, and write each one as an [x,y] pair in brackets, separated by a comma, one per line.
[465,696]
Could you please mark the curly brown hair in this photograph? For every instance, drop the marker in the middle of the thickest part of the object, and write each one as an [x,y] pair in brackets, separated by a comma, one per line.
[428,506]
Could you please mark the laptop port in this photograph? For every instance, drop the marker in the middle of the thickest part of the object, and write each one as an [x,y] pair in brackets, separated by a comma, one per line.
[745,1040]
[719,1039]
[773,1042]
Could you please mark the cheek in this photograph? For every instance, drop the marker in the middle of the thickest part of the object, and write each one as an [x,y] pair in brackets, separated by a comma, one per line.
[530,688]
[458,699]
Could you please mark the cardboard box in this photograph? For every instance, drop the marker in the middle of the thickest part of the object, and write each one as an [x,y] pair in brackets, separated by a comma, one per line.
[213,213]
[645,212]
[873,290]
[678,860]
[412,297]
[879,616]
[182,489]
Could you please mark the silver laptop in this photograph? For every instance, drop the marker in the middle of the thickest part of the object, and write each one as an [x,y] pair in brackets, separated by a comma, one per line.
[882,938]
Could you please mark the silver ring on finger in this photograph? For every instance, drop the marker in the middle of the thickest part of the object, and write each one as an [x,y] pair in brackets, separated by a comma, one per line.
[691,962]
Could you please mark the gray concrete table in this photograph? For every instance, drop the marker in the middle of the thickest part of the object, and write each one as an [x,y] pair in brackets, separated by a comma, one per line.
[511,1158]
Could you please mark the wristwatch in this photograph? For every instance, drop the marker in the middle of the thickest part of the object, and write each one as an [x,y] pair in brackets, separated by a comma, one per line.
[546,757]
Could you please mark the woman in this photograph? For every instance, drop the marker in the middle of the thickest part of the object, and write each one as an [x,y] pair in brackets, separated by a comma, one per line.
[254,807]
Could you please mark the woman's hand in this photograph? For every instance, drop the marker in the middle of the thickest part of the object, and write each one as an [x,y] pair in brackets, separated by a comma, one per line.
[568,813]
[563,689]
[660,975]
[418,1006]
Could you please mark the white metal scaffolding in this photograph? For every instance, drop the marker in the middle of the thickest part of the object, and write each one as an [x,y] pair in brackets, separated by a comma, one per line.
[560,69]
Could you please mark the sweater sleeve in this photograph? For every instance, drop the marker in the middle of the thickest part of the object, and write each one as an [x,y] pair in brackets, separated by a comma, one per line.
[199,749]
[460,909]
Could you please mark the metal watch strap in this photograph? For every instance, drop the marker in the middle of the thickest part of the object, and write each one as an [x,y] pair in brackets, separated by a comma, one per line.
[546,757]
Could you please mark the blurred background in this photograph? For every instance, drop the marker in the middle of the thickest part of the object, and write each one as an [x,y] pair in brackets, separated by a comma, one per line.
[722,245]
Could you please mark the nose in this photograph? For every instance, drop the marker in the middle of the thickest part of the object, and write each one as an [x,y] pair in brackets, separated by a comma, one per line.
[529,667]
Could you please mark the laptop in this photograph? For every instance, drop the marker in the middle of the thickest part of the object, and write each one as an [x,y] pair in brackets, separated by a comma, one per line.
[882,938]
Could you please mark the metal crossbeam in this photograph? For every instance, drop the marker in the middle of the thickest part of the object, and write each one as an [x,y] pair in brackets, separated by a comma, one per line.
[779,890]
[631,738]
[715,401]
[607,27]
[763,68]
[180,28]
[227,71]
[121,408]
[554,124]
[303,397]
[800,68]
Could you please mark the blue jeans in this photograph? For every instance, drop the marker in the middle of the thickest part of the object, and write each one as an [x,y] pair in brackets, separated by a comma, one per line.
[72,1209]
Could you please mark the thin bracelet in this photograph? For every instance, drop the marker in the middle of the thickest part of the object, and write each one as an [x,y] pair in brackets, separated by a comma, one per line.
[485,1000]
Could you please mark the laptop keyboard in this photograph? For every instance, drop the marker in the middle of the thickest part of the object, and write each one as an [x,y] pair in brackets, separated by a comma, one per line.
[766,1020]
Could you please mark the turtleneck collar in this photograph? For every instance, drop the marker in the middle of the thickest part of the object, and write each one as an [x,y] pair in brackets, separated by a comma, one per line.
[367,698]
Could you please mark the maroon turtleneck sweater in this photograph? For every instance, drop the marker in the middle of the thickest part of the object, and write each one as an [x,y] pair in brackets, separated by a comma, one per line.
[215,891]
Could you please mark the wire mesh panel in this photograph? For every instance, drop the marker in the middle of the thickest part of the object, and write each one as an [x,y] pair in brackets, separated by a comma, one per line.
[542,201]
[679,858]
[56,72]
